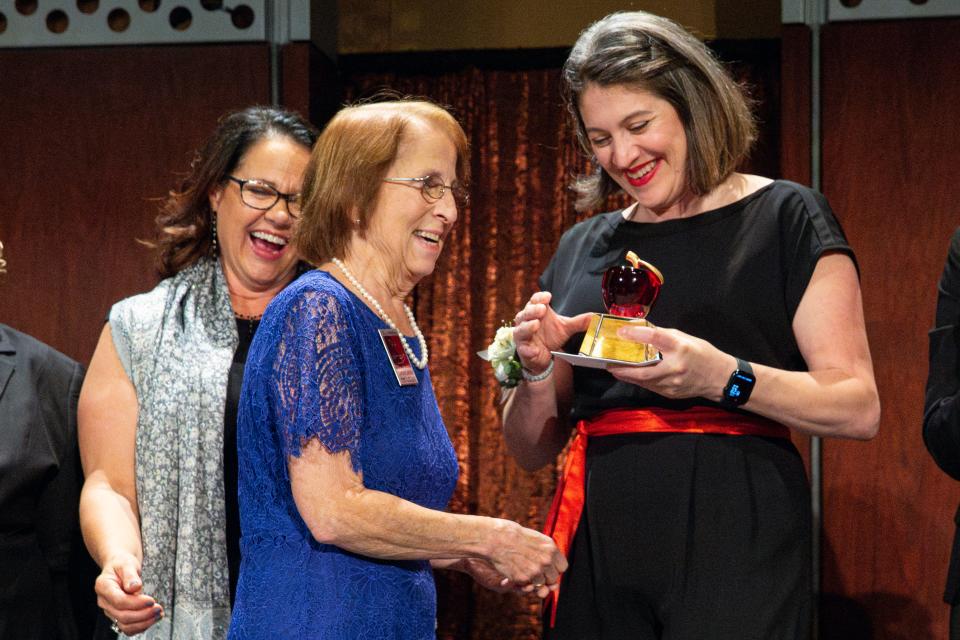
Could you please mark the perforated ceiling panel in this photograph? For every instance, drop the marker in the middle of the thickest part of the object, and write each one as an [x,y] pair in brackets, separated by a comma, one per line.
[800,11]
[891,9]
[61,23]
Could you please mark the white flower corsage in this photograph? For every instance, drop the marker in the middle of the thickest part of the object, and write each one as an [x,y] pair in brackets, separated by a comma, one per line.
[502,356]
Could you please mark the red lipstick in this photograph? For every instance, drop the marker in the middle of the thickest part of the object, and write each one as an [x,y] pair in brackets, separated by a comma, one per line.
[645,178]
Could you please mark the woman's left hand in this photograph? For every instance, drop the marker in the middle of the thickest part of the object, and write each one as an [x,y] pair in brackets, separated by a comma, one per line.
[691,367]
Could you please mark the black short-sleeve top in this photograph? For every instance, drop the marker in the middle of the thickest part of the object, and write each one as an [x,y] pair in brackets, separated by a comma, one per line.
[733,276]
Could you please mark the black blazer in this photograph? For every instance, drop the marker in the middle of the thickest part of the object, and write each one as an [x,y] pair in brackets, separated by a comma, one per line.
[40,481]
[941,414]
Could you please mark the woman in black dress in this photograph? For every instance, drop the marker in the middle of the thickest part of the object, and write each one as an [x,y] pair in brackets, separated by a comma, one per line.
[693,519]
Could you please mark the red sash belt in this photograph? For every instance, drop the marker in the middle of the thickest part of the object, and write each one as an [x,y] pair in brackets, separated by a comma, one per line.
[568,500]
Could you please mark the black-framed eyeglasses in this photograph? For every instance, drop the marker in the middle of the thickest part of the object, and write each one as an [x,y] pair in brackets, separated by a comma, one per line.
[432,189]
[261,195]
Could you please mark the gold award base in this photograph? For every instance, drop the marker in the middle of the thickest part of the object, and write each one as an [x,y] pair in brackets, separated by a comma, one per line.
[601,340]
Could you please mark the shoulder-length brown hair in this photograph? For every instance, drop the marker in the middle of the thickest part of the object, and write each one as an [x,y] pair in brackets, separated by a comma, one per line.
[184,221]
[349,163]
[652,53]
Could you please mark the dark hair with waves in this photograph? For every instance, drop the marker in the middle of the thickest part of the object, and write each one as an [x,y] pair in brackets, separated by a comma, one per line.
[184,221]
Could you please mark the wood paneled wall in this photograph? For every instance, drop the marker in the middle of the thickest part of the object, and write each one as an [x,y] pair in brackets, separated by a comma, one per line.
[891,144]
[89,139]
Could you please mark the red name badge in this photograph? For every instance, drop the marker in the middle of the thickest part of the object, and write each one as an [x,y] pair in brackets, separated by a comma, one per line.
[398,357]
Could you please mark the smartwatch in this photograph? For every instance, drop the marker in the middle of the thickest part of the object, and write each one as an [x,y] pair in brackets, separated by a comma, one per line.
[739,386]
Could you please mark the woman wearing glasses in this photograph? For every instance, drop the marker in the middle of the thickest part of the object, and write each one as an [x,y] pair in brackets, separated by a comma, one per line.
[345,464]
[157,414]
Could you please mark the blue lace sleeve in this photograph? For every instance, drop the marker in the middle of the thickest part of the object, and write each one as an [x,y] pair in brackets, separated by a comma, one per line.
[318,378]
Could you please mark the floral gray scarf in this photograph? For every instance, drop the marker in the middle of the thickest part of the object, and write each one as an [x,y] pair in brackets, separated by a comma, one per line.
[176,344]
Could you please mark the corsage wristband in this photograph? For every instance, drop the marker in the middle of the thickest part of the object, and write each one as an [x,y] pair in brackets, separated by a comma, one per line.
[502,356]
[543,375]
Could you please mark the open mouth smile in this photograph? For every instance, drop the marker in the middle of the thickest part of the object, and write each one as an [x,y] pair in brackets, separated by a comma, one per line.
[428,236]
[642,174]
[268,245]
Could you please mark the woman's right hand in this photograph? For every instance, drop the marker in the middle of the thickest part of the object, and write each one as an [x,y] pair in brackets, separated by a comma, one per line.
[538,330]
[120,595]
[526,557]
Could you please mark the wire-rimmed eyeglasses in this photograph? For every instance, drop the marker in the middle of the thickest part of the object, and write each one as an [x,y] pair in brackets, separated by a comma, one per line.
[432,189]
[261,195]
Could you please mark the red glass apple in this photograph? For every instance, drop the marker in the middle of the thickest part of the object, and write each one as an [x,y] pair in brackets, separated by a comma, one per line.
[630,291]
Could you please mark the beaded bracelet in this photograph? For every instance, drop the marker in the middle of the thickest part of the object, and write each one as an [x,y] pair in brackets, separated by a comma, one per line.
[543,375]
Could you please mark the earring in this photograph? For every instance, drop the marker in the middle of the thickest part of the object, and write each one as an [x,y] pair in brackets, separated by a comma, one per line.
[214,247]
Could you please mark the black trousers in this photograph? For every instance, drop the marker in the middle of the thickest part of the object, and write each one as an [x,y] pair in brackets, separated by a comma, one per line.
[689,537]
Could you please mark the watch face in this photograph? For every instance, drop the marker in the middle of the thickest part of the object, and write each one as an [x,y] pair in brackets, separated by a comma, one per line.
[740,384]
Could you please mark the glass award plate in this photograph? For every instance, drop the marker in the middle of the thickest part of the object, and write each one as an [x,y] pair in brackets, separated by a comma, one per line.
[601,363]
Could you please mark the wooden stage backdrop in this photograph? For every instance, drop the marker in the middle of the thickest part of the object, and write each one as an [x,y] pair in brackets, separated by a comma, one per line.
[891,144]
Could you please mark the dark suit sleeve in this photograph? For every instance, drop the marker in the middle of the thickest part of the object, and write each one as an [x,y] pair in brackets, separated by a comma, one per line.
[58,505]
[57,515]
[941,415]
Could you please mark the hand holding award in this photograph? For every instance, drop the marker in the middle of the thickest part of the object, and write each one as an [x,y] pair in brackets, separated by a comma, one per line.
[629,292]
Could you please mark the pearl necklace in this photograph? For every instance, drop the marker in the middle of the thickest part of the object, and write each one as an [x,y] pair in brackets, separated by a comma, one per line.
[418,363]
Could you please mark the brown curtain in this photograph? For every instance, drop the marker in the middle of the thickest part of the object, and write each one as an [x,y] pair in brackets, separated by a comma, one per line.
[524,152]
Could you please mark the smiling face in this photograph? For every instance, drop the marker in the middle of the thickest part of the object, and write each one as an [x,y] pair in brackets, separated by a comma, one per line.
[638,139]
[405,230]
[255,245]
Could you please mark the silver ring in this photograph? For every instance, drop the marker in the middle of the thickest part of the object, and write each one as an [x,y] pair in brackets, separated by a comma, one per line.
[115,627]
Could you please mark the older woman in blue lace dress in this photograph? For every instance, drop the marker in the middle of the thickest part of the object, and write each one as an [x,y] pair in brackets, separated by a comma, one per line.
[345,464]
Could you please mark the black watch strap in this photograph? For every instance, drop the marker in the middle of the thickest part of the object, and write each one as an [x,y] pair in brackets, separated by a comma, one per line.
[739,386]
